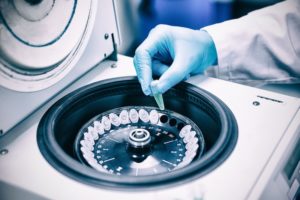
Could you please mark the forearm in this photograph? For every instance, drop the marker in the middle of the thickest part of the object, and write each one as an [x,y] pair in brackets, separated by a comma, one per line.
[261,47]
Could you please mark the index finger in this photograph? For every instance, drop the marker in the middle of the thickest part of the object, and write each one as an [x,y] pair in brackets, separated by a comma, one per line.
[143,60]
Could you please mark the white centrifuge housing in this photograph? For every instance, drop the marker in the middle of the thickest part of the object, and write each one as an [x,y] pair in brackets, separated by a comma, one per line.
[75,123]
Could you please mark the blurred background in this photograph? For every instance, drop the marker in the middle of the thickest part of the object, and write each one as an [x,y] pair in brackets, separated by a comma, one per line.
[138,17]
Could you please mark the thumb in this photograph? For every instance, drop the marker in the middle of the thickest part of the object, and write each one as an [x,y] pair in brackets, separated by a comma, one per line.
[172,76]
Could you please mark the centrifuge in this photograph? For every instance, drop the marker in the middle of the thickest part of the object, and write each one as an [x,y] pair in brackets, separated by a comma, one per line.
[75,123]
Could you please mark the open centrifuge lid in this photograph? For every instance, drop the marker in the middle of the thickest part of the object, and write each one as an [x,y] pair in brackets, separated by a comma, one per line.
[40,39]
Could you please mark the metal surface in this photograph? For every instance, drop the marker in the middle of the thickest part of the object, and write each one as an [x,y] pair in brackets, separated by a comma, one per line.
[139,138]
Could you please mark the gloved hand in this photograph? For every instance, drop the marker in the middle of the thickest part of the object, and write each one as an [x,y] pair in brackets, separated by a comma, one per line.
[173,54]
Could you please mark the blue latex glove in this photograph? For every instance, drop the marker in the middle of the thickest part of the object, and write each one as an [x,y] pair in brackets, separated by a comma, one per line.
[173,54]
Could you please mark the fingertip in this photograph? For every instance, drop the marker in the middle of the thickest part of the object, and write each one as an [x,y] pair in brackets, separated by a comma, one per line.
[145,87]
[146,91]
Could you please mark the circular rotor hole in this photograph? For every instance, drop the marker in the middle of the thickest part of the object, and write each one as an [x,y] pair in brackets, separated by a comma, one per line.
[164,119]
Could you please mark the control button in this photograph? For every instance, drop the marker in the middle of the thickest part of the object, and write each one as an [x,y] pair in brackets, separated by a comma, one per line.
[255,103]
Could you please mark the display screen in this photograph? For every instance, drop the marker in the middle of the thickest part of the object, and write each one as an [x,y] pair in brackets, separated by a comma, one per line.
[293,161]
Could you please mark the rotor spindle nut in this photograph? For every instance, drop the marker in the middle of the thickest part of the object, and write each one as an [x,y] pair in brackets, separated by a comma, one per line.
[139,138]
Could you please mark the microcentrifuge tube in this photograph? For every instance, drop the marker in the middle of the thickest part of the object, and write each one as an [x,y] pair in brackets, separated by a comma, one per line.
[160,101]
[157,96]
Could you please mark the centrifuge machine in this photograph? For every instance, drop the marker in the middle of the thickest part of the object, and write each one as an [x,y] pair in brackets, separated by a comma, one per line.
[76,125]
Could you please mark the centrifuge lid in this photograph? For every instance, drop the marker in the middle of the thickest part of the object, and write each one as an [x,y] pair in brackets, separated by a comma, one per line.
[38,36]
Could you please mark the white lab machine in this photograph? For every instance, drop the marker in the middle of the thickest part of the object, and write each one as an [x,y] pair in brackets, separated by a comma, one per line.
[75,124]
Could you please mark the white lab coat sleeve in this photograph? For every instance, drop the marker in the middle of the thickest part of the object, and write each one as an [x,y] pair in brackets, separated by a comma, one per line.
[261,47]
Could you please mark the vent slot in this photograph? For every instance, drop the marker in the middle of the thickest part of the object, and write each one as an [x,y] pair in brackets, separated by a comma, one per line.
[270,99]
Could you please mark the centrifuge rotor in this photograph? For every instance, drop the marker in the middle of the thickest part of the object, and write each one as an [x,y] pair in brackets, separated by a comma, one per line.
[139,141]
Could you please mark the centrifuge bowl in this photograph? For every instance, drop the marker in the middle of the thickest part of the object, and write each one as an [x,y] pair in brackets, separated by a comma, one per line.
[60,125]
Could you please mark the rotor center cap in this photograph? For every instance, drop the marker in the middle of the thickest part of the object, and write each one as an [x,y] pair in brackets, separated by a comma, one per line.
[139,137]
